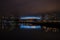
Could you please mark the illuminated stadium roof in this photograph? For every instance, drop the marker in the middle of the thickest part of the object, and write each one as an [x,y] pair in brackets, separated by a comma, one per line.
[32,17]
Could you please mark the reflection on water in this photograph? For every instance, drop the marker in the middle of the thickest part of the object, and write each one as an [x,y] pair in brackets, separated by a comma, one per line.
[41,28]
[49,29]
[30,27]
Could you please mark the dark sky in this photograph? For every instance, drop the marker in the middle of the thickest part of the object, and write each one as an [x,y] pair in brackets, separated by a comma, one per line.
[28,7]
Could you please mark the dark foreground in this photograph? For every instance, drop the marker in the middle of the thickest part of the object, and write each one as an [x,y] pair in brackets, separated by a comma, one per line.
[30,35]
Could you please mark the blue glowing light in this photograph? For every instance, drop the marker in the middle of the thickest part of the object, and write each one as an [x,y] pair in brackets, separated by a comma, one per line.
[24,26]
[30,27]
[31,17]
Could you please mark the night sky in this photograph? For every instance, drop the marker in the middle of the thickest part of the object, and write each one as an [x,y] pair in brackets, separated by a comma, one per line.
[28,7]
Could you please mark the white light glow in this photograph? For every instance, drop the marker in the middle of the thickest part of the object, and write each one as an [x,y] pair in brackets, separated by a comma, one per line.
[30,18]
